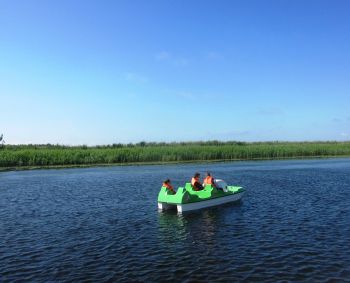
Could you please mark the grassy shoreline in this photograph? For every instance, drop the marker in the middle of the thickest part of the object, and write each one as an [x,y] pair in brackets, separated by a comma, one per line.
[28,157]
[25,168]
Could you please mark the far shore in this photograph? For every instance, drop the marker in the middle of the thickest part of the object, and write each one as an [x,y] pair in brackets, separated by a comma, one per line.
[97,165]
[46,156]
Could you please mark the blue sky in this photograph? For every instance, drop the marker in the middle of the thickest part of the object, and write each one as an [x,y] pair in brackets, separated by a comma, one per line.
[98,72]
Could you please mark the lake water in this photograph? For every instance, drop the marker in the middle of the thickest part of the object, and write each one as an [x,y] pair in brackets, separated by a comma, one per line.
[102,225]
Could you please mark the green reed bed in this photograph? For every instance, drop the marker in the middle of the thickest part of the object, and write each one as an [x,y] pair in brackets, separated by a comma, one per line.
[57,155]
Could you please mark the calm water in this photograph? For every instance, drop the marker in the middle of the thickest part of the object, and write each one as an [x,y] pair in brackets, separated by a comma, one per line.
[102,224]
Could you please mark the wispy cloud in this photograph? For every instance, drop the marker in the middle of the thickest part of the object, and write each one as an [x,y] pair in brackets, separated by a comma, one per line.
[188,95]
[162,56]
[235,133]
[194,95]
[336,120]
[345,135]
[136,78]
[213,55]
[340,120]
[181,62]
[165,56]
[270,111]
[230,135]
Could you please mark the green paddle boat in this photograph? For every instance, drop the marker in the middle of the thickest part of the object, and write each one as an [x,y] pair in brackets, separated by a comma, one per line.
[187,199]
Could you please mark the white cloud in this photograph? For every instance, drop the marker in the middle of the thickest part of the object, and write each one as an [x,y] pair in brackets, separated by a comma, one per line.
[186,94]
[345,135]
[182,94]
[336,120]
[271,111]
[181,62]
[194,95]
[212,55]
[230,135]
[165,56]
[133,77]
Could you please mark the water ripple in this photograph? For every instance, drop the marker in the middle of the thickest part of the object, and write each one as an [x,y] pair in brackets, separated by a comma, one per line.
[100,225]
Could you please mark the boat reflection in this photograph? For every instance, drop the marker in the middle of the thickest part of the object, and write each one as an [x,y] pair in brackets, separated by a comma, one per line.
[196,228]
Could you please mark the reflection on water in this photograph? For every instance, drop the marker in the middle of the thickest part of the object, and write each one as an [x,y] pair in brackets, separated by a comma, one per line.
[197,229]
[184,226]
[171,227]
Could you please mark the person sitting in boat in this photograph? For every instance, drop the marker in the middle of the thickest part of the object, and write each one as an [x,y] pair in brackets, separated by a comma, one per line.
[196,185]
[169,187]
[209,180]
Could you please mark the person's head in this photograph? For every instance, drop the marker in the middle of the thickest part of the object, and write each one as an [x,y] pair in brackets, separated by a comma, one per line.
[167,181]
[208,174]
[196,175]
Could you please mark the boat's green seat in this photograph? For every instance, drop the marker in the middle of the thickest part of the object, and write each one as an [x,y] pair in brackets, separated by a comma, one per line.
[165,196]
[203,194]
[166,191]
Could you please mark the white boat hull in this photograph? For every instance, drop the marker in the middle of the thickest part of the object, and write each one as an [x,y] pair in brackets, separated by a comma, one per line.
[201,204]
[165,206]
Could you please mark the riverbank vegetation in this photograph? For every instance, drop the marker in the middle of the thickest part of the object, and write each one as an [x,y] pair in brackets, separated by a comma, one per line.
[60,155]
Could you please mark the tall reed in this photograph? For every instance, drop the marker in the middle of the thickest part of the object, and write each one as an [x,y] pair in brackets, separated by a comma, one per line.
[49,155]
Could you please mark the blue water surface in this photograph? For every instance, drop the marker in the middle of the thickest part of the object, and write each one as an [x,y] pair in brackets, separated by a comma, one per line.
[102,225]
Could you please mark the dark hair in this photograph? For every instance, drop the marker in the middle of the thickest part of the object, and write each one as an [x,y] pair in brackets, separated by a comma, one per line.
[208,173]
[167,181]
[196,175]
